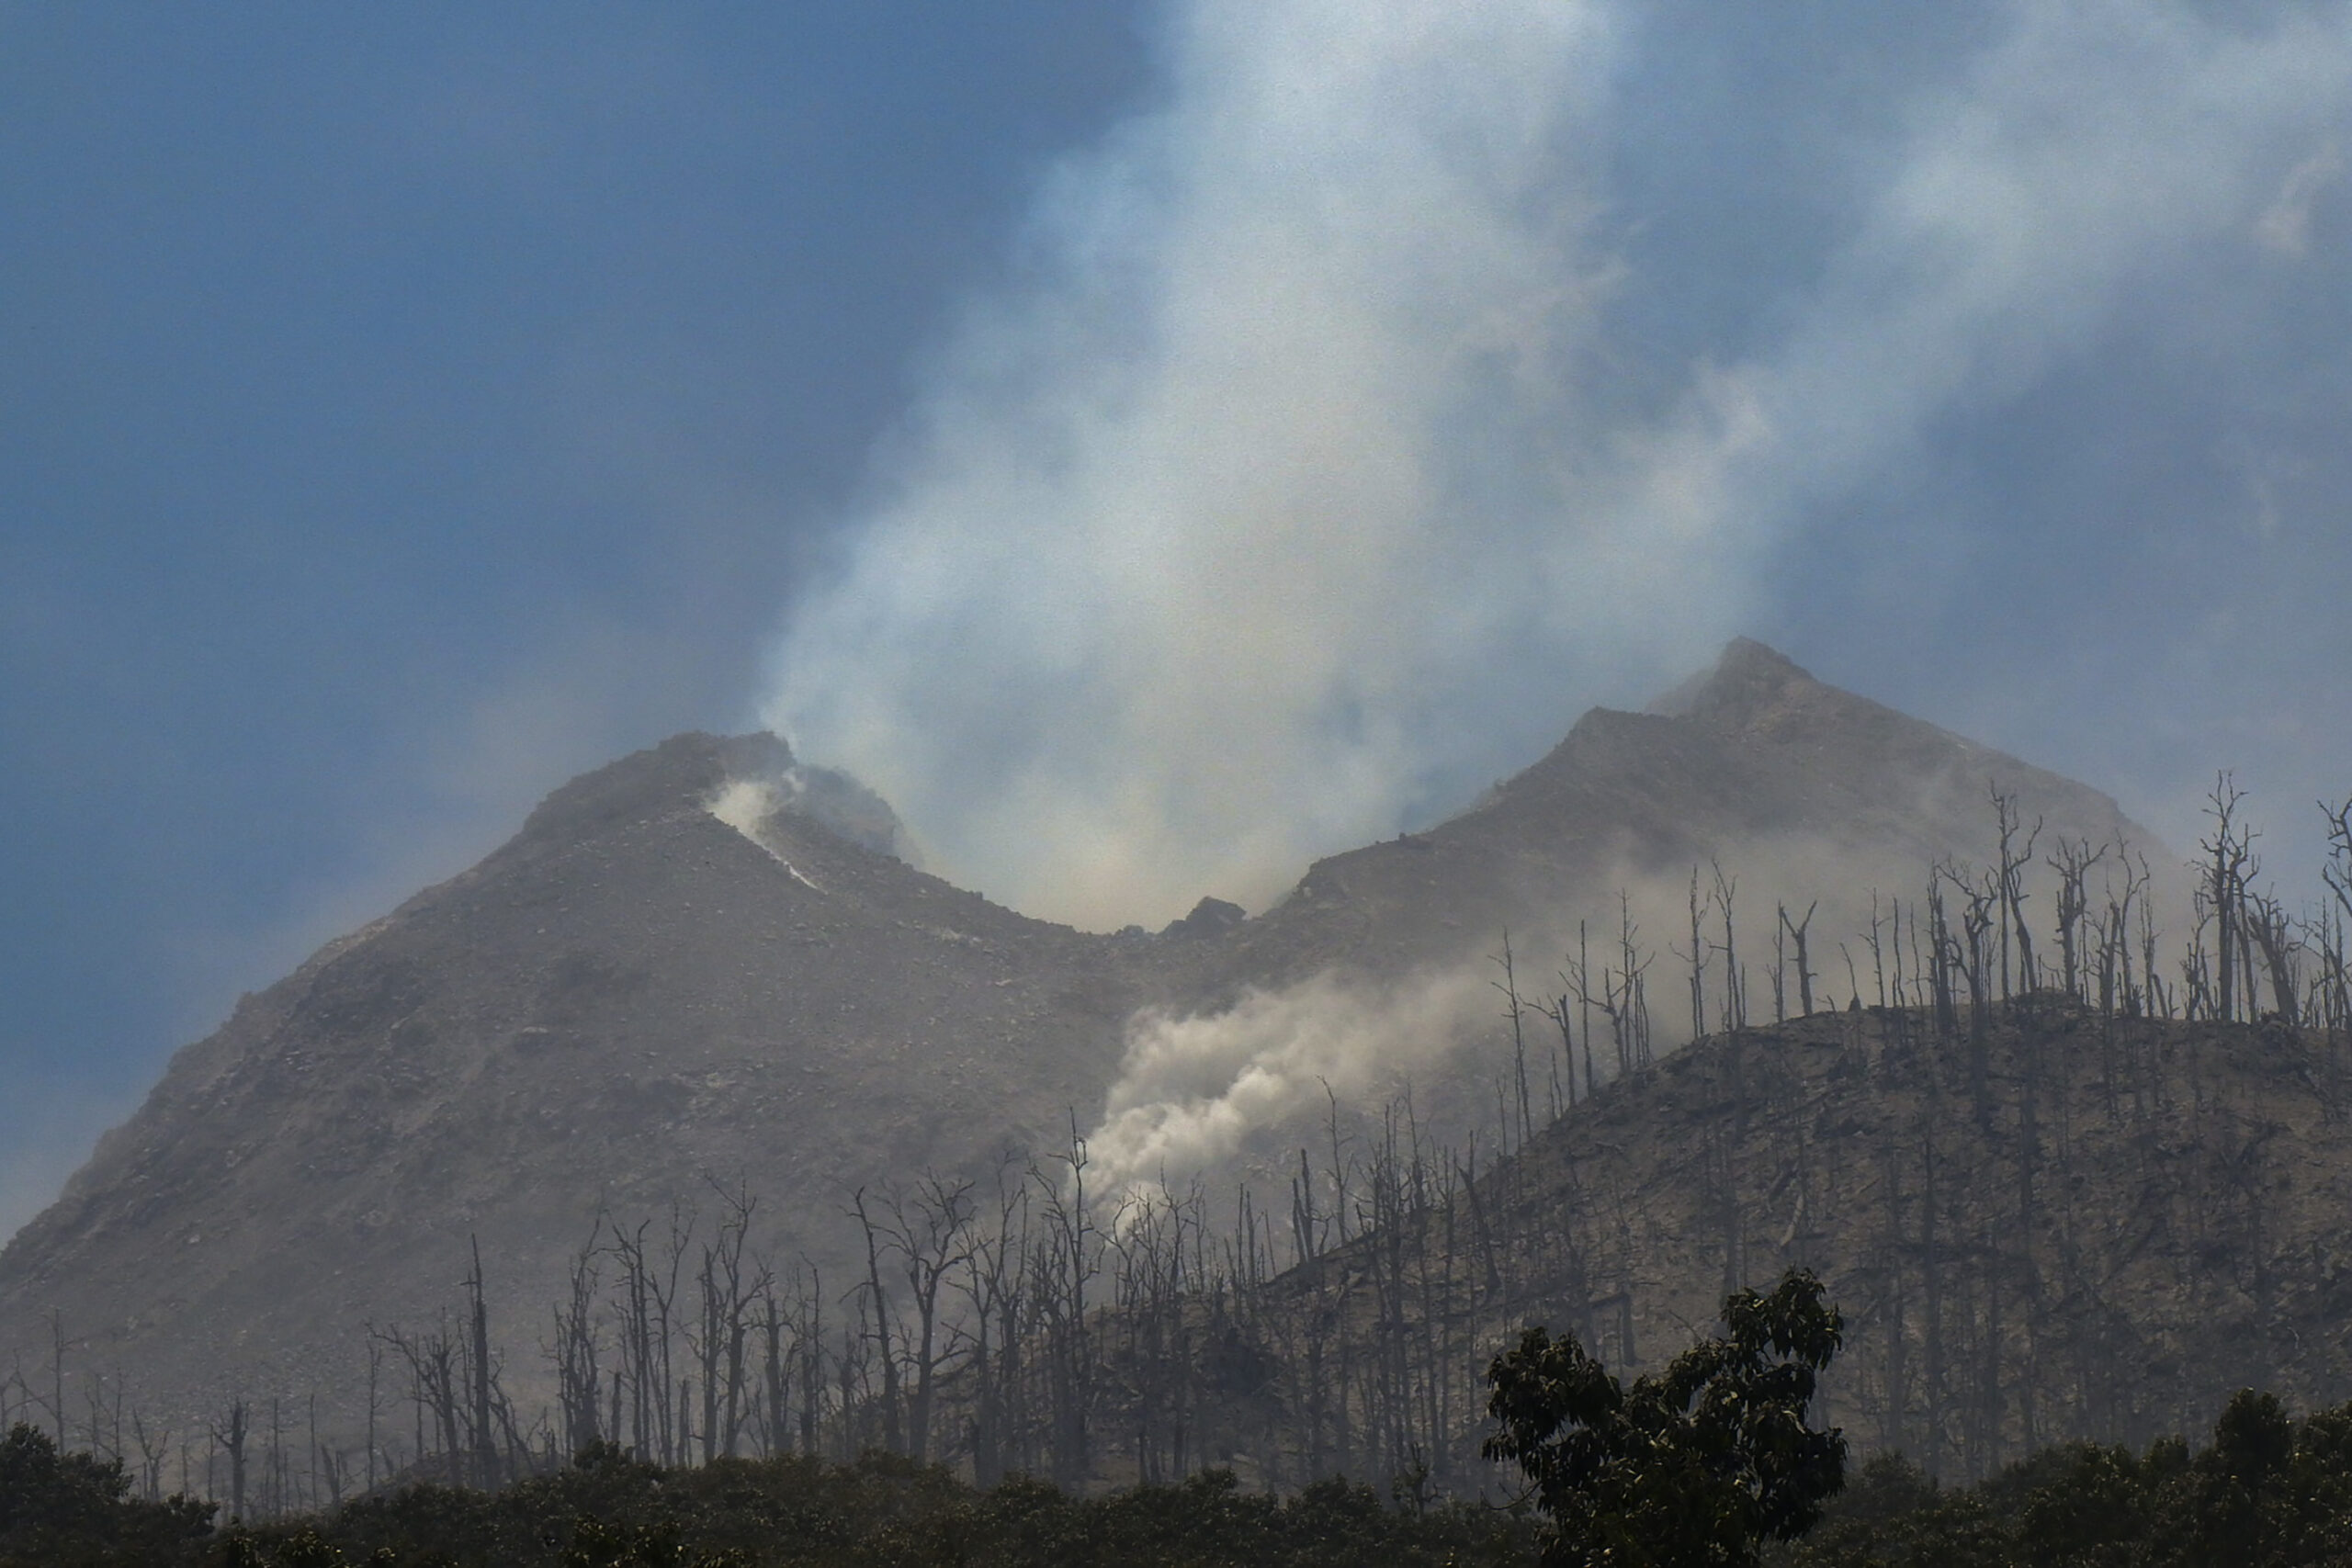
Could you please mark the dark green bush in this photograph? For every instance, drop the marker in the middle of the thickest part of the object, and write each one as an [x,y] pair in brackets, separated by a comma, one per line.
[70,1510]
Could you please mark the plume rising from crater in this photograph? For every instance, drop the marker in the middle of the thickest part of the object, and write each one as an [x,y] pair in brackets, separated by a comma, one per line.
[1214,541]
[1309,473]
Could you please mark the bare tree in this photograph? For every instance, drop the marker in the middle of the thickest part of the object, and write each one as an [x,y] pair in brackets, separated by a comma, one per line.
[1556,1009]
[646,1302]
[479,1375]
[578,1380]
[1796,933]
[229,1439]
[933,1242]
[435,1389]
[2010,889]
[151,1454]
[1516,1013]
[727,1292]
[374,1370]
[1735,1009]
[2335,875]
[2229,865]
[2073,861]
[1878,952]
[992,1284]
[1697,958]
[875,1305]
[2271,933]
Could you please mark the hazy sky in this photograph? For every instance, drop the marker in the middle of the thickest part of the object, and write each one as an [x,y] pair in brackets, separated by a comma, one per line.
[1155,442]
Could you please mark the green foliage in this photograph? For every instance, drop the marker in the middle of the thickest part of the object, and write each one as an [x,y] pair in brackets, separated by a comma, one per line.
[1688,1469]
[1695,1467]
[1891,1514]
[2268,1493]
[609,1511]
[72,1510]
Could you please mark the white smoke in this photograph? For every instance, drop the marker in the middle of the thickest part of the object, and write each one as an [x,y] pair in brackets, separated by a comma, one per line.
[1291,485]
[1226,1097]
[2284,226]
[1192,1089]
[1198,545]
[2078,162]
[744,803]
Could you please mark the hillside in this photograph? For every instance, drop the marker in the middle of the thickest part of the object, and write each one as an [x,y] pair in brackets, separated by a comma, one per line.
[1800,794]
[628,995]
[1806,791]
[633,1000]
[2115,1224]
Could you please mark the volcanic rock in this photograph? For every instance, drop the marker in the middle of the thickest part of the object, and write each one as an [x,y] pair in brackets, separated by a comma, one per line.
[633,1001]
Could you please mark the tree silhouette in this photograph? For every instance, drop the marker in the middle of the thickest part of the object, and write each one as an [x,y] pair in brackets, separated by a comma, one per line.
[1697,1466]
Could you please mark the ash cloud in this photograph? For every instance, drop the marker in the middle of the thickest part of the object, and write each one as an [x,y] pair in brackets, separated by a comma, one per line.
[1206,544]
[1228,1097]
[1294,489]
[1198,1092]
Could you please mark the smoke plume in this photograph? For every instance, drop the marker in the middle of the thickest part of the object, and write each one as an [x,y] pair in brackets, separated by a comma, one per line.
[1205,543]
[1192,1089]
[1294,491]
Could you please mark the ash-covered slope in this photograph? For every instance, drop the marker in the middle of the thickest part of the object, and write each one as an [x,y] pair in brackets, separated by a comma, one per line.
[1800,790]
[2099,1229]
[626,996]
[633,998]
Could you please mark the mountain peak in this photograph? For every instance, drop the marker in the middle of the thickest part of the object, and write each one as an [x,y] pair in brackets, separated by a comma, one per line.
[692,960]
[1748,680]
[689,771]
[677,774]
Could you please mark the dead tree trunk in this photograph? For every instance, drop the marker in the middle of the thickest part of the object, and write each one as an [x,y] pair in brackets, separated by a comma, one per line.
[877,1308]
[931,1244]
[230,1440]
[1734,1008]
[2272,934]
[2015,858]
[1696,957]
[579,1383]
[1796,931]
[2073,863]
[485,1444]
[2228,867]
[1508,987]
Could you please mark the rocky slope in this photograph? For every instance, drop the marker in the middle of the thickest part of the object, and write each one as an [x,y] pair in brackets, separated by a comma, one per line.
[2103,1233]
[633,998]
[629,997]
[1801,790]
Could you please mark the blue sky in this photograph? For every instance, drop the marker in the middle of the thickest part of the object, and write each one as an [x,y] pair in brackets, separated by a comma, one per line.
[1182,435]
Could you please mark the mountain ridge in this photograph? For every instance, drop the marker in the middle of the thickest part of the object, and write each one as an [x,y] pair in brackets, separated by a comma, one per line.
[631,998]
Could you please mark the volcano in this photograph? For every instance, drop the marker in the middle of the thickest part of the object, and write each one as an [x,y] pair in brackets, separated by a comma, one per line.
[701,966]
